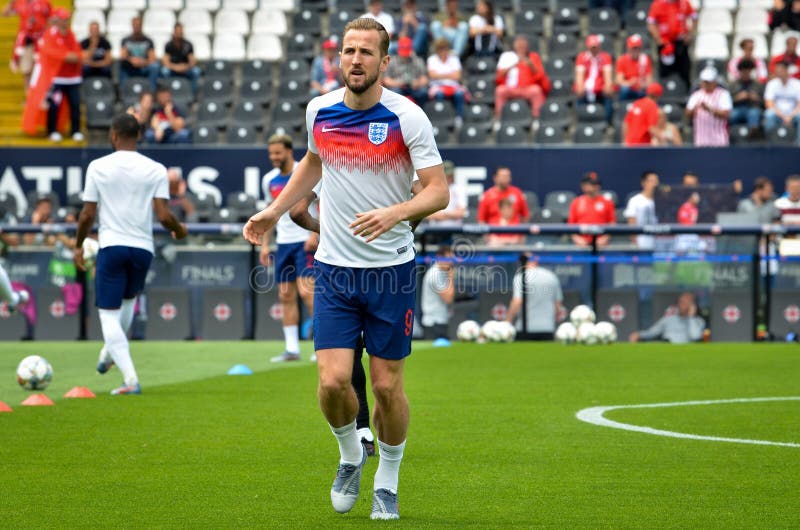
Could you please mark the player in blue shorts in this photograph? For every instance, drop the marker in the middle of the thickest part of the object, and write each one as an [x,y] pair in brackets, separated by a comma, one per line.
[122,191]
[365,143]
[294,262]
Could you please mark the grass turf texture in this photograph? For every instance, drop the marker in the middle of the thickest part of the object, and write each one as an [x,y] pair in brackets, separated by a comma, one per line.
[494,441]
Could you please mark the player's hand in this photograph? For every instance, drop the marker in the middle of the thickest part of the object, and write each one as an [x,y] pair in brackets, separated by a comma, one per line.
[372,224]
[258,224]
[77,258]
[265,256]
[181,233]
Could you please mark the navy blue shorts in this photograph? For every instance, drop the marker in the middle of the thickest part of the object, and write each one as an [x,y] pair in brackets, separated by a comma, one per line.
[120,275]
[292,261]
[378,301]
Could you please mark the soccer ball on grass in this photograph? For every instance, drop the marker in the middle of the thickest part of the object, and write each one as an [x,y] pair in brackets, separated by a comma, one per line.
[34,373]
[566,333]
[468,331]
[606,332]
[580,314]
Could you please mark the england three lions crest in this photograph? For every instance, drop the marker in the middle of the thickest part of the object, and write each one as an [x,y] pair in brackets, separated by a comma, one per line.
[378,132]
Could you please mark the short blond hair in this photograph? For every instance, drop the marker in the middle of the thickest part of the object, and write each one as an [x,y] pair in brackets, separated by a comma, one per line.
[370,24]
[283,139]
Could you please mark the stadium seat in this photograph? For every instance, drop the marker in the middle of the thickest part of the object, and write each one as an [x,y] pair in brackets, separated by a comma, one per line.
[563,45]
[248,113]
[231,21]
[339,19]
[442,135]
[158,21]
[559,201]
[782,136]
[532,199]
[138,5]
[554,114]
[98,89]
[81,19]
[296,69]
[160,41]
[300,46]
[778,41]
[181,90]
[674,90]
[478,115]
[205,5]
[511,134]
[751,20]
[589,133]
[604,20]
[620,111]
[287,6]
[547,134]
[559,68]
[481,89]
[636,20]
[245,5]
[760,49]
[529,22]
[256,91]
[711,46]
[287,114]
[293,90]
[739,134]
[481,65]
[115,39]
[673,111]
[272,22]
[566,20]
[516,112]
[470,135]
[591,113]
[611,195]
[548,216]
[715,20]
[119,21]
[561,91]
[228,48]
[752,4]
[241,201]
[205,134]
[197,21]
[256,70]
[218,69]
[266,47]
[132,88]
[307,21]
[201,45]
[441,113]
[241,135]
[212,114]
[102,5]
[99,113]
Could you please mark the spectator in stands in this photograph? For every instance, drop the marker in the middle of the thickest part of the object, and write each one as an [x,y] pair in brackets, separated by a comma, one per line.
[444,73]
[406,73]
[748,98]
[782,99]
[143,110]
[665,133]
[33,19]
[789,57]
[375,11]
[543,297]
[138,56]
[747,46]
[179,203]
[58,44]
[785,15]
[709,108]
[689,212]
[671,23]
[456,209]
[520,74]
[642,117]
[680,328]
[167,125]
[690,179]
[507,218]
[641,209]
[789,204]
[486,30]
[42,213]
[412,24]
[179,58]
[489,205]
[450,24]
[761,202]
[96,53]
[634,70]
[594,80]
[438,293]
[591,208]
[325,72]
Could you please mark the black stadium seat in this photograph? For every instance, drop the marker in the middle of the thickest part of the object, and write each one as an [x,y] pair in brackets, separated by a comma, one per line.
[478,115]
[511,134]
[440,112]
[205,135]
[256,70]
[589,133]
[559,68]
[307,21]
[289,115]
[530,22]
[293,90]
[517,112]
[98,89]
[132,89]
[242,135]
[547,134]
[99,113]
[554,114]
[481,65]
[249,114]
[481,89]
[591,113]
[300,46]
[212,114]
[636,20]
[218,90]
[782,135]
[566,19]
[218,69]
[470,135]
[256,91]
[603,20]
[564,45]
[296,69]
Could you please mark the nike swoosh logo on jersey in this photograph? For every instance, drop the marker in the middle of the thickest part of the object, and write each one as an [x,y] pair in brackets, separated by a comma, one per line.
[329,129]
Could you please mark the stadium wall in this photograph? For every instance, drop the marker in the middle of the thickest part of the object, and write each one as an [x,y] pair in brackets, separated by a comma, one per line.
[220,171]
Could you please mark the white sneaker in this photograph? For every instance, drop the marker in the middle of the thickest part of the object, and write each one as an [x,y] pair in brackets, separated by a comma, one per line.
[56,137]
[78,137]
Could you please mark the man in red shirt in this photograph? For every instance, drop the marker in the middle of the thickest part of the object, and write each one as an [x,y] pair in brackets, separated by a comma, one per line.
[33,16]
[634,70]
[642,116]
[520,74]
[591,208]
[688,212]
[788,57]
[671,23]
[594,82]
[489,207]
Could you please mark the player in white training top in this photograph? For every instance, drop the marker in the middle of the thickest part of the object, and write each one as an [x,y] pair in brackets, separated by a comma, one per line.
[122,190]
[294,261]
[365,143]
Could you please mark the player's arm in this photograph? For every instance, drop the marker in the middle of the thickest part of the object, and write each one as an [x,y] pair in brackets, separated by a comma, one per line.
[302,217]
[434,196]
[167,219]
[513,309]
[305,176]
[85,223]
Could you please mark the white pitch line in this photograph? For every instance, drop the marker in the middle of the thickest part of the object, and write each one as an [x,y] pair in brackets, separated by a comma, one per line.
[595,416]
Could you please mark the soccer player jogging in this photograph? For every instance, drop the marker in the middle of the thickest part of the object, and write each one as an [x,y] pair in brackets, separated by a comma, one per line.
[295,258]
[365,143]
[122,190]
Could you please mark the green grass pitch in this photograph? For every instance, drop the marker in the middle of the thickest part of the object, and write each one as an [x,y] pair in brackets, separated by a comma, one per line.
[493,443]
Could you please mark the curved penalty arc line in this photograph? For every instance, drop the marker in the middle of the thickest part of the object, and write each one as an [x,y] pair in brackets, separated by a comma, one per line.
[595,416]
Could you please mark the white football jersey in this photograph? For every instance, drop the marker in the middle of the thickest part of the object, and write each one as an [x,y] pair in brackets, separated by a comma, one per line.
[288,232]
[368,160]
